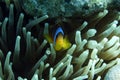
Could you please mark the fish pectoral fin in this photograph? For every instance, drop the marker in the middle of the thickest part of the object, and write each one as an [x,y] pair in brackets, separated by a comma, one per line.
[66,44]
[48,38]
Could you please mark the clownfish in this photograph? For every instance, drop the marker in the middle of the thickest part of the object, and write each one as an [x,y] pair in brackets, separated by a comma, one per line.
[59,40]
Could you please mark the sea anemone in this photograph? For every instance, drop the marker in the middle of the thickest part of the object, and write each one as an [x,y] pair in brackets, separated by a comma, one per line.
[26,53]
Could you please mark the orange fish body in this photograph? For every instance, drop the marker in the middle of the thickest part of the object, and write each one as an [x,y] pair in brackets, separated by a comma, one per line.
[59,42]
[62,43]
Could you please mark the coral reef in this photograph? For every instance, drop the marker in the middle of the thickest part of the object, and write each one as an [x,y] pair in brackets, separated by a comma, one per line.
[66,8]
[26,54]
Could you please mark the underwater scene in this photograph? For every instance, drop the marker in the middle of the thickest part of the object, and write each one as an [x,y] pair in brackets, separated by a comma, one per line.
[59,39]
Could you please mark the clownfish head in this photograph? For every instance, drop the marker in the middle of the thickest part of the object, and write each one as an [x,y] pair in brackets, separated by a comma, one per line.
[59,40]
